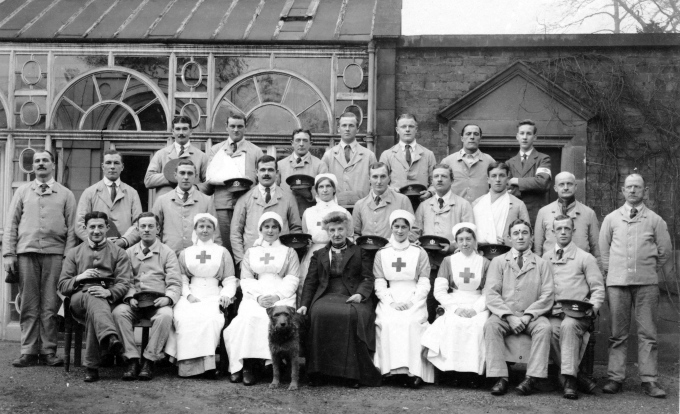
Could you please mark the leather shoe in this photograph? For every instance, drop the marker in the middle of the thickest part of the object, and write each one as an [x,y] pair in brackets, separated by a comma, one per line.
[146,373]
[51,360]
[249,374]
[132,370]
[26,360]
[585,384]
[527,387]
[91,375]
[652,389]
[611,387]
[115,346]
[353,384]
[236,377]
[500,388]
[570,388]
[415,383]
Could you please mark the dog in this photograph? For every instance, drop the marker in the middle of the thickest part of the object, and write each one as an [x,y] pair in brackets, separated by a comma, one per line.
[285,334]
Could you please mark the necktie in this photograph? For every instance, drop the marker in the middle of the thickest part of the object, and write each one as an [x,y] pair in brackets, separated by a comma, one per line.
[377,200]
[559,254]
[185,196]
[181,150]
[299,160]
[633,212]
[233,147]
[146,250]
[563,204]
[113,192]
[520,261]
[348,155]
[441,203]
[524,158]
[267,195]
[43,187]
[408,154]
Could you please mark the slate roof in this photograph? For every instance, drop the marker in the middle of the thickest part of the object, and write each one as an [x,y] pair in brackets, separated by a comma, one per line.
[240,21]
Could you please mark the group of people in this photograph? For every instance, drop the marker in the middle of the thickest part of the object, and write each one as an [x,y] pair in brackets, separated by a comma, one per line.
[427,299]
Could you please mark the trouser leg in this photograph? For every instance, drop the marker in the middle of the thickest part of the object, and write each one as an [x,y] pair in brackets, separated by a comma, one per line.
[125,318]
[99,322]
[646,306]
[620,302]
[540,331]
[224,220]
[161,319]
[555,351]
[49,302]
[571,338]
[495,331]
[29,290]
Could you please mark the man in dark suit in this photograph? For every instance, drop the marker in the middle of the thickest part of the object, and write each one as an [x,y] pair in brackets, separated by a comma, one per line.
[530,170]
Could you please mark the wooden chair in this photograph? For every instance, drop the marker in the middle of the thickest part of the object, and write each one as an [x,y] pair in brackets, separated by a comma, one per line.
[74,330]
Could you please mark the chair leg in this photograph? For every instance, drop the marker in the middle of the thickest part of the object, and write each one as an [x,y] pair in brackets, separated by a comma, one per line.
[145,341]
[68,336]
[224,357]
[78,347]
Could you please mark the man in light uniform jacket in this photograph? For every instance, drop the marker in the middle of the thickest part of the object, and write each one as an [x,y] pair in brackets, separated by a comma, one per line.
[635,244]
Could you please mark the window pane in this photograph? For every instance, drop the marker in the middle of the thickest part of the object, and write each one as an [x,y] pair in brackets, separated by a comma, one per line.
[195,74]
[315,70]
[152,119]
[271,119]
[105,117]
[315,119]
[30,112]
[155,67]
[3,118]
[300,96]
[67,68]
[67,116]
[228,68]
[244,96]
[31,71]
[272,87]
[4,74]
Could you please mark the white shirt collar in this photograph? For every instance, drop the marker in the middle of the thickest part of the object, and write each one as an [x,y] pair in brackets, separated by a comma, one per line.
[464,154]
[352,146]
[109,182]
[446,197]
[515,252]
[627,207]
[186,147]
[271,192]
[305,157]
[528,153]
[402,145]
[49,183]
[180,193]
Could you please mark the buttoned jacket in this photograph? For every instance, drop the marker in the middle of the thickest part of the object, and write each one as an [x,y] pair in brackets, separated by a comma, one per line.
[224,200]
[586,228]
[533,188]
[352,177]
[122,211]
[157,271]
[155,178]
[511,291]
[250,207]
[469,182]
[420,170]
[633,250]
[177,217]
[373,220]
[310,165]
[576,276]
[40,222]
[432,221]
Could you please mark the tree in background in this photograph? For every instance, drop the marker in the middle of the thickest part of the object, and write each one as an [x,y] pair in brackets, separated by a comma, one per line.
[625,16]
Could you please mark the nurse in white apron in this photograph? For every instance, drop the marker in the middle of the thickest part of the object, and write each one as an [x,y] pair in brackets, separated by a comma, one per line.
[198,321]
[455,341]
[325,186]
[269,277]
[402,282]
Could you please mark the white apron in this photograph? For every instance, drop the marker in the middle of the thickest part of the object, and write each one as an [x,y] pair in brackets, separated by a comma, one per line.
[455,343]
[197,326]
[224,167]
[398,333]
[312,218]
[248,334]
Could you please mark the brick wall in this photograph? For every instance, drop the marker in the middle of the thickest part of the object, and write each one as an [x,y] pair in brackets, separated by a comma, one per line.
[431,78]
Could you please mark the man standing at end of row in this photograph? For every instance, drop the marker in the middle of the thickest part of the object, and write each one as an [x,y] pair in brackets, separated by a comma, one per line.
[409,162]
[349,162]
[38,230]
[530,170]
[635,244]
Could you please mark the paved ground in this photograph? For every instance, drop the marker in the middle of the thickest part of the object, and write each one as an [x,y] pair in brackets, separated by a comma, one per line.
[45,390]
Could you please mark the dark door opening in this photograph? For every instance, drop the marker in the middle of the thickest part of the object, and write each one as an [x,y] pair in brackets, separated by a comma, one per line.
[503,154]
[133,175]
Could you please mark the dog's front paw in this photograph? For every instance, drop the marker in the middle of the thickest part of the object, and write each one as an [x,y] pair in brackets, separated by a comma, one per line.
[293,387]
[274,384]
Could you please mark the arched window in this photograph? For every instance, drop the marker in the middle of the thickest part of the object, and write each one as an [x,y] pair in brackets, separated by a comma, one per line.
[111,99]
[274,102]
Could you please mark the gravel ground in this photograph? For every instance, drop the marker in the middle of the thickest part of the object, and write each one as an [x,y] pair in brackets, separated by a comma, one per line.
[46,389]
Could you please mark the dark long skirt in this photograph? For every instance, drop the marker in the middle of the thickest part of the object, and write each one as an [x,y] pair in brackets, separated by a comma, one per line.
[341,339]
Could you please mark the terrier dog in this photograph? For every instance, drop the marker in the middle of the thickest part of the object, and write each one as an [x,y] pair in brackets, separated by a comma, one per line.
[284,342]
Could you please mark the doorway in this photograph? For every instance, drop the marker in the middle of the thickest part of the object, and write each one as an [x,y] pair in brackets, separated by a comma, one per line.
[133,175]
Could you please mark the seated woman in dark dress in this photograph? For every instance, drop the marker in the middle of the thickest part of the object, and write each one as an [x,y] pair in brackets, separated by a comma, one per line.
[337,297]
